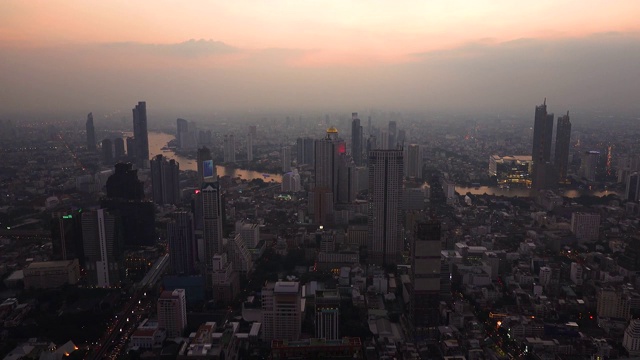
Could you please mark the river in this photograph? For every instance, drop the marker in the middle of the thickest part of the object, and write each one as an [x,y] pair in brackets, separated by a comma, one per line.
[158,140]
[520,192]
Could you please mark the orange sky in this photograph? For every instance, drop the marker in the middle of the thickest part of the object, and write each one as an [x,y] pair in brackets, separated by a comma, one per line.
[339,31]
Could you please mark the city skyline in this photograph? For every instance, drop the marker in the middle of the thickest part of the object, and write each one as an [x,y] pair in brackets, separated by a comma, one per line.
[482,56]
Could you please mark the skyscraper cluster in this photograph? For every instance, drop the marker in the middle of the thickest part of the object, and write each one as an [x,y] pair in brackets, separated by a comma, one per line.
[546,173]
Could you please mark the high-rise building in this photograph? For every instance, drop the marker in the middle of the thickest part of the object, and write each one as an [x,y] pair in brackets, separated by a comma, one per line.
[356,139]
[250,139]
[125,198]
[281,311]
[172,312]
[107,152]
[305,151]
[286,158]
[124,183]
[414,161]
[182,127]
[563,143]
[224,281]
[140,134]
[66,237]
[327,311]
[239,255]
[131,148]
[632,189]
[91,133]
[589,165]
[102,246]
[118,148]
[393,135]
[631,339]
[385,194]
[165,180]
[541,150]
[585,226]
[212,221]
[182,245]
[229,149]
[426,265]
[291,182]
[204,158]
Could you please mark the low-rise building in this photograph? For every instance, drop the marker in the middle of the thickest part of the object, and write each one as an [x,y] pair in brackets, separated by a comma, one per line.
[51,274]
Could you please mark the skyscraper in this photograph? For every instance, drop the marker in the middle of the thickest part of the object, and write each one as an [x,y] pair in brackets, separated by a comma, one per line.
[356,139]
[172,312]
[91,133]
[327,311]
[229,149]
[305,151]
[563,142]
[165,180]
[286,158]
[204,154]
[324,193]
[281,313]
[125,198]
[632,189]
[250,138]
[140,134]
[426,266]
[107,152]
[385,194]
[182,246]
[393,135]
[414,161]
[541,150]
[66,237]
[131,148]
[182,127]
[212,212]
[118,148]
[124,183]
[102,246]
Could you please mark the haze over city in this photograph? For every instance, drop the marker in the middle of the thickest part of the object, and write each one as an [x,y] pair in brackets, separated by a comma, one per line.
[68,58]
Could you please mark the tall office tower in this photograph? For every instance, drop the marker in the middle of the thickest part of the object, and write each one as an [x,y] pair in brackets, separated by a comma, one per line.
[383,144]
[102,246]
[250,233]
[563,142]
[66,237]
[253,130]
[327,311]
[131,148]
[589,165]
[224,282]
[240,257]
[291,182]
[118,147]
[426,269]
[541,150]
[91,133]
[385,194]
[632,189]
[182,127]
[393,135]
[212,214]
[165,180]
[281,312]
[347,184]
[204,155]
[305,151]
[124,183]
[125,197]
[250,138]
[356,139]
[182,245]
[107,152]
[140,134]
[172,312]
[414,161]
[286,158]
[402,137]
[229,149]
[324,193]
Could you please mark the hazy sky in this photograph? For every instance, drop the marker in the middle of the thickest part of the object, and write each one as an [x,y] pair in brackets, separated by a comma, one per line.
[495,55]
